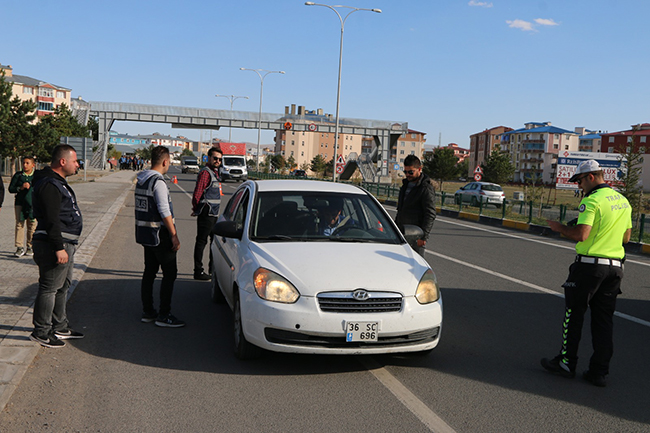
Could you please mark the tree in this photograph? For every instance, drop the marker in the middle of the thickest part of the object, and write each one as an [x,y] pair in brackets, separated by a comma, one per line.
[145,152]
[187,152]
[278,162]
[631,159]
[16,119]
[318,164]
[497,167]
[93,127]
[463,168]
[441,166]
[291,162]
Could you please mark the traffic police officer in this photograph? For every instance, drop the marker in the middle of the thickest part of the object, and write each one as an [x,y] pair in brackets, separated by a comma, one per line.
[156,231]
[205,206]
[604,224]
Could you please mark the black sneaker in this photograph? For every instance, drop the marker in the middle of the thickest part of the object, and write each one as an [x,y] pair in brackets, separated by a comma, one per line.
[202,276]
[149,316]
[68,334]
[50,341]
[556,366]
[594,378]
[169,321]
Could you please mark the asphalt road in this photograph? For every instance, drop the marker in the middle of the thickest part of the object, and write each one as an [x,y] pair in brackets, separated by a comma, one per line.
[502,314]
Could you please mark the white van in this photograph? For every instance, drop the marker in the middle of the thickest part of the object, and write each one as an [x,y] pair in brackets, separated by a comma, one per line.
[233,167]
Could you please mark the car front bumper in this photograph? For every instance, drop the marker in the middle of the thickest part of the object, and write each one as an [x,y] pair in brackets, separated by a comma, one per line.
[303,328]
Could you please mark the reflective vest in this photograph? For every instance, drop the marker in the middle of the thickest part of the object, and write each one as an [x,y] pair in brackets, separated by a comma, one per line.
[148,221]
[212,194]
[69,214]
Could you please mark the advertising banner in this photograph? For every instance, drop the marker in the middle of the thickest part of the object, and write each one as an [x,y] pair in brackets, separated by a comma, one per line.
[567,163]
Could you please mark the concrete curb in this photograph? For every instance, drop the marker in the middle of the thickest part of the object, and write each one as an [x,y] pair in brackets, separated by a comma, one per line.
[17,351]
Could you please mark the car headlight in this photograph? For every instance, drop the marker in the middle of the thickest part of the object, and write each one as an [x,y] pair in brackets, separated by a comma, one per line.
[427,291]
[273,287]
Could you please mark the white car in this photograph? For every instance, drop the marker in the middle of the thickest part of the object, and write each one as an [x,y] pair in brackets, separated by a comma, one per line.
[321,268]
[481,192]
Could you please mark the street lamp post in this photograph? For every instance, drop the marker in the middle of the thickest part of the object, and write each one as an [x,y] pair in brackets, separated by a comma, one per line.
[259,119]
[232,99]
[338,89]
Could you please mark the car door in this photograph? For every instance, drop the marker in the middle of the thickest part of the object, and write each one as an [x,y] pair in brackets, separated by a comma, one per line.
[226,258]
[469,191]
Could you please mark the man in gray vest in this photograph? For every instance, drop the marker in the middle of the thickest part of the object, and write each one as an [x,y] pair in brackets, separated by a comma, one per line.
[205,206]
[55,241]
[156,232]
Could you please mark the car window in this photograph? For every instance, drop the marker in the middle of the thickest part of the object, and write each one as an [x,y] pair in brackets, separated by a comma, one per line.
[473,186]
[232,204]
[319,216]
[491,188]
[240,213]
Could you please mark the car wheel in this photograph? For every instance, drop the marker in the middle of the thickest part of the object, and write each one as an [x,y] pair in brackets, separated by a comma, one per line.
[474,202]
[498,205]
[243,349]
[215,290]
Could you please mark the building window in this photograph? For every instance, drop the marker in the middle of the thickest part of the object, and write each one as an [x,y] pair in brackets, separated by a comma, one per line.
[556,146]
[643,139]
[60,94]
[302,153]
[401,160]
[412,144]
[45,106]
[292,153]
[566,147]
[28,90]
[557,136]
[611,139]
[45,92]
[412,135]
[610,149]
[293,142]
[303,143]
[401,152]
[629,139]
[642,149]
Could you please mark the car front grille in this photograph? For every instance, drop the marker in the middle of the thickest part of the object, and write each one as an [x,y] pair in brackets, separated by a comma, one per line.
[236,171]
[345,302]
[279,336]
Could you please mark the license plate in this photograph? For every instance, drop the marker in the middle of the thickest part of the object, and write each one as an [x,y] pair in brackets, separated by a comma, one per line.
[361,331]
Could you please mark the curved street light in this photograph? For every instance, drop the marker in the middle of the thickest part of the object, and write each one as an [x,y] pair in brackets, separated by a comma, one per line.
[338,90]
[259,119]
[232,99]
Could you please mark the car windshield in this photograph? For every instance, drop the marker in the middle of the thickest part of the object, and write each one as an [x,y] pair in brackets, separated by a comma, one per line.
[491,188]
[306,216]
[237,162]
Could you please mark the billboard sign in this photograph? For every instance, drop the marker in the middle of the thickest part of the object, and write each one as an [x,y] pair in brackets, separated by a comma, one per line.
[567,163]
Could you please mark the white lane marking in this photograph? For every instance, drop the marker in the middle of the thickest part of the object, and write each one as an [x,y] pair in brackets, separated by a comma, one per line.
[406,397]
[525,238]
[531,285]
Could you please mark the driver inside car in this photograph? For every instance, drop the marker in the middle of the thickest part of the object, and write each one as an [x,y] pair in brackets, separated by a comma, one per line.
[332,219]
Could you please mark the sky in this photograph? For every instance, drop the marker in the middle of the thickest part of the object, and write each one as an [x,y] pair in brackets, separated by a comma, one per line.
[448,68]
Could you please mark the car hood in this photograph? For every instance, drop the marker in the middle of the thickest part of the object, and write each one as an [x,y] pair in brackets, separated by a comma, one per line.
[316,267]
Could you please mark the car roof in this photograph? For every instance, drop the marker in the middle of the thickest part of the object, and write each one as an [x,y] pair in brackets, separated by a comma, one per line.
[306,185]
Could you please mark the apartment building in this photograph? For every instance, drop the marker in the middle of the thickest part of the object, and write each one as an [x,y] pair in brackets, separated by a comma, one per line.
[590,141]
[410,143]
[618,142]
[303,146]
[534,149]
[48,96]
[482,144]
[459,152]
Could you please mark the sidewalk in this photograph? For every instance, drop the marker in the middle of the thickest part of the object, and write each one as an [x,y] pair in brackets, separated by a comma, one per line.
[99,199]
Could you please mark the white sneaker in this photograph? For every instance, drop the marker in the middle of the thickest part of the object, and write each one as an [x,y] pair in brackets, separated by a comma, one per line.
[19,252]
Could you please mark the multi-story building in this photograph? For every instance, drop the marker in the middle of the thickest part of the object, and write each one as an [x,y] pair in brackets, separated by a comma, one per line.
[409,143]
[590,141]
[459,152]
[534,150]
[48,96]
[618,142]
[303,146]
[482,144]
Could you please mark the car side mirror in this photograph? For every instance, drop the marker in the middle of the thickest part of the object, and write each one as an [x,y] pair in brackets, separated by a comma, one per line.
[227,229]
[412,233]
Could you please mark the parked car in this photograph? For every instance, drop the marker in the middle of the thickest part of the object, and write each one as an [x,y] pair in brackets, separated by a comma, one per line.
[359,289]
[481,192]
[299,173]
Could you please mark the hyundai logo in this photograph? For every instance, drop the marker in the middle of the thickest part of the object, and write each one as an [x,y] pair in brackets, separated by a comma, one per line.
[360,295]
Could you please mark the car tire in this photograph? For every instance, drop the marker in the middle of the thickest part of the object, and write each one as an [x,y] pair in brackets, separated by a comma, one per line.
[474,202]
[498,205]
[243,349]
[215,291]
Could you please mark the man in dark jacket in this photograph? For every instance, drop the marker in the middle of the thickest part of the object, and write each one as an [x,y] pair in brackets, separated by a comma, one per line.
[55,241]
[416,202]
[21,185]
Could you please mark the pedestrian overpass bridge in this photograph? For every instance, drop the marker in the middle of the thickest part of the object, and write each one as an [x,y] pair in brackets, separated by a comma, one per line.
[373,167]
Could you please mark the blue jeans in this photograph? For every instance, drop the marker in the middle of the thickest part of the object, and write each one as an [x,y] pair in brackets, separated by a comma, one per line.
[53,283]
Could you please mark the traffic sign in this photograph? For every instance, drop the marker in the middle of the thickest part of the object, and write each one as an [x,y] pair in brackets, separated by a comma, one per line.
[340,160]
[339,169]
[478,177]
[478,169]
[312,127]
[288,125]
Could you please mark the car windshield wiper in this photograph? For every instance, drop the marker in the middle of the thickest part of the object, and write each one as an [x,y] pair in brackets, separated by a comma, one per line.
[275,238]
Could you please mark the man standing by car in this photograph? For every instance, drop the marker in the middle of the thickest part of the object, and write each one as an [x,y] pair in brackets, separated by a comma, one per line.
[416,202]
[55,241]
[205,206]
[604,224]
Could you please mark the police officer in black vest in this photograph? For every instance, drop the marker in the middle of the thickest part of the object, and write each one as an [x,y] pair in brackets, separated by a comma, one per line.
[54,242]
[156,231]
[205,206]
